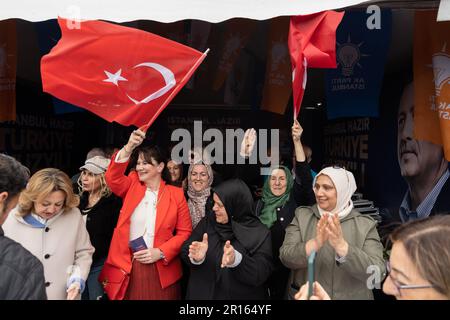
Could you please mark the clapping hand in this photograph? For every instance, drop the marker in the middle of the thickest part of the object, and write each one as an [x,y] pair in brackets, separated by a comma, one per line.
[198,249]
[321,233]
[228,255]
[336,237]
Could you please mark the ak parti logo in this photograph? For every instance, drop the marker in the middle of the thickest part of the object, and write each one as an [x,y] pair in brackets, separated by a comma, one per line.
[441,71]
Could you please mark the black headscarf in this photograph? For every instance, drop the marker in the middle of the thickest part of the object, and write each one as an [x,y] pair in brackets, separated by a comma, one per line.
[242,223]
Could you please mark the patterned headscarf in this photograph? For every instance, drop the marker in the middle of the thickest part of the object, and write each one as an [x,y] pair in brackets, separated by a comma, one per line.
[197,199]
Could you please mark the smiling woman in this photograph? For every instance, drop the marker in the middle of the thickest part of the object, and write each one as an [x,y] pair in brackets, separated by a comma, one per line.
[153,224]
[200,178]
[346,242]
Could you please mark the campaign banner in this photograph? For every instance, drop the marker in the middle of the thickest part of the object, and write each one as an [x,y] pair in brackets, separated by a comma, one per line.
[432,80]
[362,41]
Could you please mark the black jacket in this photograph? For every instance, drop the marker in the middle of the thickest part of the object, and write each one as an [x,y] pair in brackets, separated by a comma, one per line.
[21,273]
[301,195]
[100,222]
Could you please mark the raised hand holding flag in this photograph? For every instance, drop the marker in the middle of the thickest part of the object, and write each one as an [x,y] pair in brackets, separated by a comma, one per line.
[312,43]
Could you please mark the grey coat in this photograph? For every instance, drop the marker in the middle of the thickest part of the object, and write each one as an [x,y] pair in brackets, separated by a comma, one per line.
[354,278]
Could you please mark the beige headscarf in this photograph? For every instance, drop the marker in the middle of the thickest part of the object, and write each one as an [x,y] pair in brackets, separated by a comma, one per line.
[345,185]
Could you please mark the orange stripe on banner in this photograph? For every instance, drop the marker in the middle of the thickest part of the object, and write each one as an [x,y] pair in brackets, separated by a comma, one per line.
[432,79]
[8,62]
[278,83]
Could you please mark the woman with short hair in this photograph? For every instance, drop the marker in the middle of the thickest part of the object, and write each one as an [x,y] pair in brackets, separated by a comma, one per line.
[153,224]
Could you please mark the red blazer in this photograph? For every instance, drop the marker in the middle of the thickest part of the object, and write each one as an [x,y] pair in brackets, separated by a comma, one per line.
[173,223]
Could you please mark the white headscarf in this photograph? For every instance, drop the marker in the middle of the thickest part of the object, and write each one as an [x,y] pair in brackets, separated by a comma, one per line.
[345,185]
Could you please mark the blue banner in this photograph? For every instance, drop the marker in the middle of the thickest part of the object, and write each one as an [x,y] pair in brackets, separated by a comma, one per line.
[362,42]
[48,33]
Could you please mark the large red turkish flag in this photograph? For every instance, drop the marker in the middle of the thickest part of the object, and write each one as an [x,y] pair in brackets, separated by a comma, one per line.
[121,74]
[312,43]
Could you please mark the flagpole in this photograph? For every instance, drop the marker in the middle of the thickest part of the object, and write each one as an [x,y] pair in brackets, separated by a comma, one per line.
[176,90]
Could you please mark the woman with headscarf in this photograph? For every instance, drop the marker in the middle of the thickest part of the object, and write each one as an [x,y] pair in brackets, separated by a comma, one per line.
[229,252]
[281,195]
[346,242]
[200,179]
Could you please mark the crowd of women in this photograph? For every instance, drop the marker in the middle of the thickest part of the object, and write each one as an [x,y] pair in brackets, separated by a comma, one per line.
[135,228]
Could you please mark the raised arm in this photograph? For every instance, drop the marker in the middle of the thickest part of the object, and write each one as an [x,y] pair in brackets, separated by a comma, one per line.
[303,192]
[115,175]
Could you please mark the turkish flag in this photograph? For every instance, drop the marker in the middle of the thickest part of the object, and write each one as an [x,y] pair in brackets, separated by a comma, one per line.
[121,74]
[312,43]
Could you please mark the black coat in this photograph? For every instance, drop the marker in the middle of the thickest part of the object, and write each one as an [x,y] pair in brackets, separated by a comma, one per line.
[301,195]
[100,222]
[246,281]
[21,273]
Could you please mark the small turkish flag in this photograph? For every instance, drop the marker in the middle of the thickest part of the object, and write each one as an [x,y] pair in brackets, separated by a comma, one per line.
[312,43]
[121,74]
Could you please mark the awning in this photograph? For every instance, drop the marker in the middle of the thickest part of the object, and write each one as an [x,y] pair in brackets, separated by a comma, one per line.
[165,10]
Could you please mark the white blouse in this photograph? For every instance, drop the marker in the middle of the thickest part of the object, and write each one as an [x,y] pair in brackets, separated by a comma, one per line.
[143,219]
[144,216]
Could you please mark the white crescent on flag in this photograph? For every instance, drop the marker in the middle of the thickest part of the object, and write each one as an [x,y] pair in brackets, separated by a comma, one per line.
[169,79]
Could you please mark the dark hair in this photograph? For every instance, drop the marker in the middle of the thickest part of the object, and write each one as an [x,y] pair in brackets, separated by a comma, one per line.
[427,243]
[13,176]
[150,154]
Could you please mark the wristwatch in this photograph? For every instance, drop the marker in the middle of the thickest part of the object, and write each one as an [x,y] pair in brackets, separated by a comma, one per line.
[161,255]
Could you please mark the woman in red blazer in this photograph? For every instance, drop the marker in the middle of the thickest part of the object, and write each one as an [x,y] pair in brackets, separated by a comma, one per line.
[153,224]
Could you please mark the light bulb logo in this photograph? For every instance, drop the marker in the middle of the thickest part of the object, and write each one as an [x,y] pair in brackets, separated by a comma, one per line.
[441,69]
[348,55]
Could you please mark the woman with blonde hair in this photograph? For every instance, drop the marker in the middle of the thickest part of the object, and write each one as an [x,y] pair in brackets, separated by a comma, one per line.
[48,223]
[100,209]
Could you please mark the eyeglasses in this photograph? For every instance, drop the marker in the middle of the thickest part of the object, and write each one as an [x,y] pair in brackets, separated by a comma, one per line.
[399,286]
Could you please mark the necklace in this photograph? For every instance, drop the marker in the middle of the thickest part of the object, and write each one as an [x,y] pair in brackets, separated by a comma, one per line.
[158,196]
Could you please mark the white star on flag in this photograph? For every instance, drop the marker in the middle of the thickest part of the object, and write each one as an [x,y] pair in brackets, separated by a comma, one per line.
[114,77]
